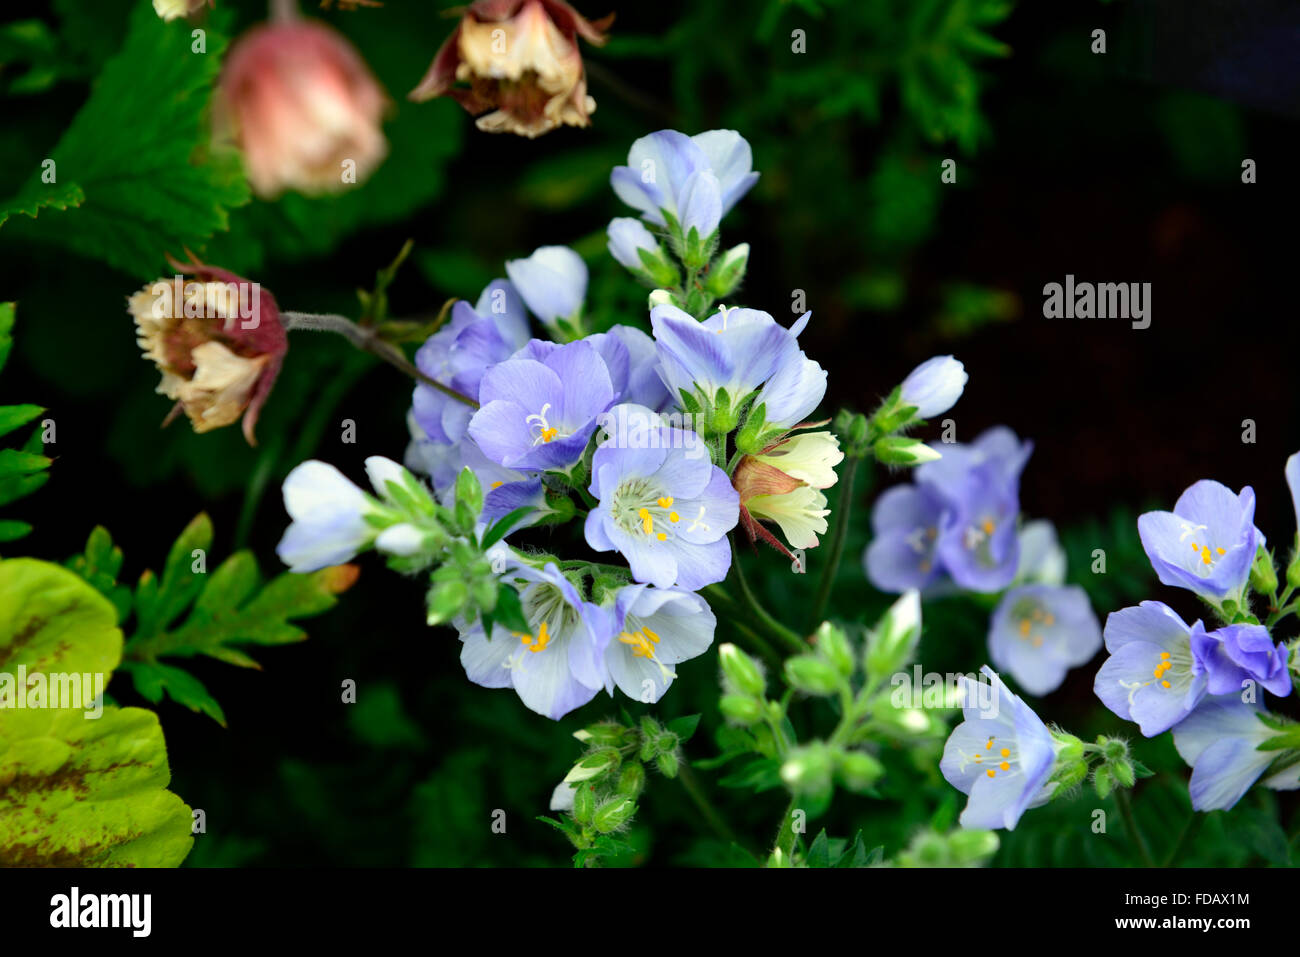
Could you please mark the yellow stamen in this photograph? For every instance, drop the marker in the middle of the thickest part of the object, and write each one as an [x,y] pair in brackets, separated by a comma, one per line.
[665,502]
[674,517]
[992,773]
[647,522]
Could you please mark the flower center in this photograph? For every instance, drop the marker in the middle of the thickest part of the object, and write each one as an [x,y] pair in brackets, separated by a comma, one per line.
[1208,555]
[639,509]
[1030,618]
[997,757]
[537,423]
[1176,666]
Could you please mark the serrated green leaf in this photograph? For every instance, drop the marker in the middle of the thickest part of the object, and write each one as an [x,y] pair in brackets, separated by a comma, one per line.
[153,679]
[161,189]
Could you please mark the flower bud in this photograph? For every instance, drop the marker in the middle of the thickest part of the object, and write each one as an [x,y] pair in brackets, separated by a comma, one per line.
[446,599]
[613,814]
[740,710]
[812,675]
[832,642]
[934,386]
[893,642]
[584,803]
[901,450]
[808,769]
[727,272]
[517,64]
[667,763]
[858,770]
[632,781]
[741,672]
[593,765]
[1263,576]
[303,107]
[175,9]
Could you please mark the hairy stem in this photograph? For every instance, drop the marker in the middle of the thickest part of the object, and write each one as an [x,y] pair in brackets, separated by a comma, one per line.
[368,340]
[780,632]
[843,507]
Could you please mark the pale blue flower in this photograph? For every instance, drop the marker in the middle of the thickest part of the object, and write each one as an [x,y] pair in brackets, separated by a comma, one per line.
[557,666]
[662,503]
[552,282]
[1001,755]
[1156,672]
[1207,543]
[1221,740]
[1039,632]
[655,628]
[540,414]
[658,179]
[626,236]
[934,386]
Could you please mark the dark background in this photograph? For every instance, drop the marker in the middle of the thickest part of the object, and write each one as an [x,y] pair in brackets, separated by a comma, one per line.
[1123,167]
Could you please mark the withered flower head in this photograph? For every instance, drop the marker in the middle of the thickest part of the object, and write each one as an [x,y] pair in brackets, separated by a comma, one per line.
[518,59]
[218,341]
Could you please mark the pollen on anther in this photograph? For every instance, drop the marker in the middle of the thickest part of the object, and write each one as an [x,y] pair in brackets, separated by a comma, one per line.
[992,773]
[1005,766]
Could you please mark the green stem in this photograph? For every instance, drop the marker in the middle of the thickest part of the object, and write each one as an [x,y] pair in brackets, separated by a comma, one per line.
[1130,822]
[1189,831]
[837,540]
[780,632]
[785,838]
[692,785]
[716,593]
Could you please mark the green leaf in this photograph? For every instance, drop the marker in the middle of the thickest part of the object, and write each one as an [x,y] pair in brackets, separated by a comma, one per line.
[684,727]
[33,199]
[819,854]
[74,790]
[160,189]
[153,679]
[502,526]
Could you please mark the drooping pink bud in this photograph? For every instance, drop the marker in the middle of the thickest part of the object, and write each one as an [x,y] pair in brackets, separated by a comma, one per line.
[217,340]
[518,59]
[303,106]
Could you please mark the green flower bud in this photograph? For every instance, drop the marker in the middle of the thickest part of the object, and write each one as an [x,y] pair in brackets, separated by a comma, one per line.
[1263,576]
[902,450]
[808,769]
[858,770]
[893,642]
[968,848]
[812,675]
[741,672]
[584,803]
[1293,572]
[667,763]
[469,490]
[666,742]
[727,272]
[594,765]
[832,642]
[446,599]
[613,814]
[632,781]
[605,732]
[741,710]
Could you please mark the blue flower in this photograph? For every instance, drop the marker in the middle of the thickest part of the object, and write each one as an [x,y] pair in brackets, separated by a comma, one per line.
[458,354]
[906,521]
[795,390]
[329,518]
[662,503]
[558,665]
[626,237]
[552,282]
[1220,740]
[959,519]
[1002,756]
[1039,632]
[630,358]
[1156,673]
[734,349]
[1207,543]
[934,386]
[540,414]
[655,628]
[1293,484]
[666,173]
[1245,653]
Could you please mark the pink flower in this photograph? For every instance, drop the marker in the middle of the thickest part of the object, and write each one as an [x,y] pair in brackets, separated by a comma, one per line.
[303,106]
[518,59]
[217,340]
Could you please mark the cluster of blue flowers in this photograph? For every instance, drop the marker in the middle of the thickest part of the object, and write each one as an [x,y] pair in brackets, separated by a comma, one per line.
[635,425]
[957,527]
[1206,684]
